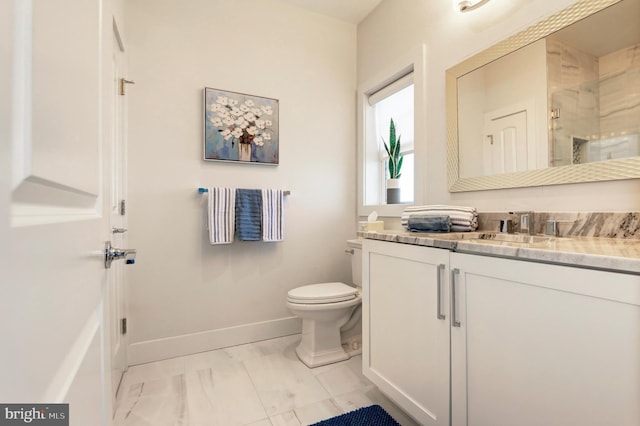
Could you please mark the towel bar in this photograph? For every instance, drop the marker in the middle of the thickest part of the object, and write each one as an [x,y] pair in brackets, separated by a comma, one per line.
[203,190]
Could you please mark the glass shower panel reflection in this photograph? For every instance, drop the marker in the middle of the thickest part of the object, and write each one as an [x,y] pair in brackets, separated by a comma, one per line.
[597,121]
[574,121]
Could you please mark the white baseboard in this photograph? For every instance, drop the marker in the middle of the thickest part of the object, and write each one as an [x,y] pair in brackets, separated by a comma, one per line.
[186,344]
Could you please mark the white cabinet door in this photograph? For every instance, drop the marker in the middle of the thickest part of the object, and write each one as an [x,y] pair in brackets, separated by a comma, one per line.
[406,327]
[542,344]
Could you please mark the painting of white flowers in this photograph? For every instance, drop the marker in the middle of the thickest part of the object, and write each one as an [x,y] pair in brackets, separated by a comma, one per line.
[240,127]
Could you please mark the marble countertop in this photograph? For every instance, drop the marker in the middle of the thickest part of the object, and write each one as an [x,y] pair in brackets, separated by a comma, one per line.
[614,254]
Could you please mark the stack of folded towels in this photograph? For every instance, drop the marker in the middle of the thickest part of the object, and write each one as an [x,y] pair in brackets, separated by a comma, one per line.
[438,218]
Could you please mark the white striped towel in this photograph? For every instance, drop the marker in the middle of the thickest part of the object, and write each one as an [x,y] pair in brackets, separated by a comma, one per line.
[221,215]
[462,218]
[272,215]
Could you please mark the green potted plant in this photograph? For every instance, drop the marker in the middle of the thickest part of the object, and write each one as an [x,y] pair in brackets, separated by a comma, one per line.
[395,164]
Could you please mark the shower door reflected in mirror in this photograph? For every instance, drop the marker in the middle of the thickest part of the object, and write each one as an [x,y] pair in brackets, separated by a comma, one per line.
[599,119]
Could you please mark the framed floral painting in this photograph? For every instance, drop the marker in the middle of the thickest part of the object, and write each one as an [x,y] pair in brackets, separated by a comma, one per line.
[240,127]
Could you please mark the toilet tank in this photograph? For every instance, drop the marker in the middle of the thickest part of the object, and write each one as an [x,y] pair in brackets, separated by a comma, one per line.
[355,249]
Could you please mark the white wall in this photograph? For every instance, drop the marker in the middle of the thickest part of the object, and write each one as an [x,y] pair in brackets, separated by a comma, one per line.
[451,37]
[185,294]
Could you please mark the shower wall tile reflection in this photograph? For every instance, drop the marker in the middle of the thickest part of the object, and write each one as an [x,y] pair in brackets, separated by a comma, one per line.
[619,92]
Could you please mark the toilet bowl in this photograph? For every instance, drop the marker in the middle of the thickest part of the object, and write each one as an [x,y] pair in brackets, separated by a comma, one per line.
[324,309]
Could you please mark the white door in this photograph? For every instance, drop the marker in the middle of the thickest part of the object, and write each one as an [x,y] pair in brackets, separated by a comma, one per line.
[117,218]
[505,144]
[53,193]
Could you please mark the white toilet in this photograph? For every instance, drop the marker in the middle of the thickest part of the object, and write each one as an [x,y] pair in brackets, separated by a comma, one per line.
[324,309]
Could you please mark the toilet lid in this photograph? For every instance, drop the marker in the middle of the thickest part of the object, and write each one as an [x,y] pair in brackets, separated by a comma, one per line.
[322,293]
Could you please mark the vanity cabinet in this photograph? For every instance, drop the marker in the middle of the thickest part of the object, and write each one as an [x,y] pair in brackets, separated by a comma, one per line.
[406,327]
[537,344]
[472,340]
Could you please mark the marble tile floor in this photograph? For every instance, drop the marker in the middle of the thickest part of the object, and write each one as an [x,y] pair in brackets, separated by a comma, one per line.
[257,384]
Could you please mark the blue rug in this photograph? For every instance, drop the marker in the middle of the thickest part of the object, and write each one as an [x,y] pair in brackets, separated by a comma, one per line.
[367,416]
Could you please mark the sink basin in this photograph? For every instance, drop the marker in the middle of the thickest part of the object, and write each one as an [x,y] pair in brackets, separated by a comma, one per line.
[514,238]
[459,236]
[495,236]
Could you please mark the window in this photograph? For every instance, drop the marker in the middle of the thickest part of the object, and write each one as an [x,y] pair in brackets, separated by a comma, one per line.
[395,92]
[396,102]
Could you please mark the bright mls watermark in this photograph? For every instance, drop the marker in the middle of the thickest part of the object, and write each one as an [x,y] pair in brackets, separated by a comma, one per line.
[34,414]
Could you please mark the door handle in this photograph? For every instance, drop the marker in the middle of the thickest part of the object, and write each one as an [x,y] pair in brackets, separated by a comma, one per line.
[115,230]
[454,311]
[112,253]
[439,270]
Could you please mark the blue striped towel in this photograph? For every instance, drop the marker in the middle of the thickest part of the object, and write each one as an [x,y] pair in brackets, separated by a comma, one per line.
[272,215]
[462,218]
[221,215]
[429,223]
[249,214]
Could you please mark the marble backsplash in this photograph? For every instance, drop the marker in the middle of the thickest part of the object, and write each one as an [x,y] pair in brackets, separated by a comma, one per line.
[572,224]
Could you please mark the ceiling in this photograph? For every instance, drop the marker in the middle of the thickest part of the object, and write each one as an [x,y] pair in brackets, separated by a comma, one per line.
[352,11]
[607,31]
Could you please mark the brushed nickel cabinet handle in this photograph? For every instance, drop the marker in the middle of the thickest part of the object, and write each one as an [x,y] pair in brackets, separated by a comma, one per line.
[439,270]
[454,311]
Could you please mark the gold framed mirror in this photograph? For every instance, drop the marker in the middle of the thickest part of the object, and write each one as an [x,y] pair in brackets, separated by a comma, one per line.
[557,170]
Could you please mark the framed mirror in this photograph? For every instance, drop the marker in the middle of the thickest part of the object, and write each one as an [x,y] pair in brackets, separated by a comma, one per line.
[556,103]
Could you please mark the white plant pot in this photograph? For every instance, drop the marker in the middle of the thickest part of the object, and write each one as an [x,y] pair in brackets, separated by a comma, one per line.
[393,191]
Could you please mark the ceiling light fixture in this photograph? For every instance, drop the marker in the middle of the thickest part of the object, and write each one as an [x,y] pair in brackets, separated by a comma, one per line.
[467,5]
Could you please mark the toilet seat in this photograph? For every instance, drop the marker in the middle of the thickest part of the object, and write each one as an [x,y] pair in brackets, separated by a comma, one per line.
[322,293]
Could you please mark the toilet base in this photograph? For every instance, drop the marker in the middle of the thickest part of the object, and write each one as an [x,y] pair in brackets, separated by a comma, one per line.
[318,359]
[321,343]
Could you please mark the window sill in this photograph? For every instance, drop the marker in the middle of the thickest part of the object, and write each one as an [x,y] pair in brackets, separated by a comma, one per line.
[384,210]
